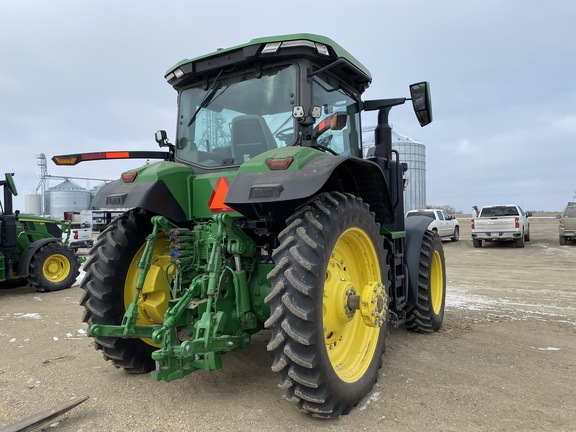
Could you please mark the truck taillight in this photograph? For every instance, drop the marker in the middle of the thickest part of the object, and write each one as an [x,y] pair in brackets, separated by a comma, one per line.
[472,224]
[517,222]
[75,234]
[561,223]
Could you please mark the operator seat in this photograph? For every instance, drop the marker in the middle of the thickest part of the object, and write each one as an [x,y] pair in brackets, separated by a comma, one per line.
[250,136]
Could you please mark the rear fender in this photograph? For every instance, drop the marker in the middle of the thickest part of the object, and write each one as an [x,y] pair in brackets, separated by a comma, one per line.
[161,188]
[153,196]
[26,257]
[415,228]
[260,193]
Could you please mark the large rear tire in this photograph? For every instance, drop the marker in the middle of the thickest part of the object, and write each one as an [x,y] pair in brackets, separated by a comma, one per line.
[327,355]
[53,267]
[110,284]
[428,312]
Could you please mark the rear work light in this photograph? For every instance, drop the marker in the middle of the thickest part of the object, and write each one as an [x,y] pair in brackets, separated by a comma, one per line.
[273,47]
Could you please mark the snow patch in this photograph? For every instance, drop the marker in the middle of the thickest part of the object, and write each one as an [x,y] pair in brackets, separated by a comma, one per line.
[79,278]
[373,398]
[510,309]
[28,315]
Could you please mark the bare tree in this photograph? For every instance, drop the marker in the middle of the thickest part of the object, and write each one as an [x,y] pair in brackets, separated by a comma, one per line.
[447,208]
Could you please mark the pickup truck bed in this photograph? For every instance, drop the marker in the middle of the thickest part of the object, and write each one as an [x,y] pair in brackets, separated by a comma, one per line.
[440,222]
[501,223]
[80,238]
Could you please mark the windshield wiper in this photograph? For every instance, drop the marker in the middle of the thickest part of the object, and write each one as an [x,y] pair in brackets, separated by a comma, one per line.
[207,99]
[205,102]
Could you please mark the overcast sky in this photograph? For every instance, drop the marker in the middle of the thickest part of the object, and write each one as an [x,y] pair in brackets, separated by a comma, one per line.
[89,76]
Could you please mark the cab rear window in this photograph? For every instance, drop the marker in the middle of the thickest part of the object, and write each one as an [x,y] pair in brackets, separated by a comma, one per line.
[570,212]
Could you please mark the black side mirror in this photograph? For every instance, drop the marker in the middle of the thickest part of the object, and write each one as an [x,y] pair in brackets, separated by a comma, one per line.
[421,101]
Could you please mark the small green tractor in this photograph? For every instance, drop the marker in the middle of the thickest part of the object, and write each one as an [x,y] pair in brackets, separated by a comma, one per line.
[32,249]
[264,214]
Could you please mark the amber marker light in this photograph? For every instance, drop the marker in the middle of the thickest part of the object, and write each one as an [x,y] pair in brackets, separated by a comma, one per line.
[279,164]
[66,160]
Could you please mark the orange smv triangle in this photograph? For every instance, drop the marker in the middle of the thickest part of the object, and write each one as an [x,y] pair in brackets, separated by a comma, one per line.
[216,201]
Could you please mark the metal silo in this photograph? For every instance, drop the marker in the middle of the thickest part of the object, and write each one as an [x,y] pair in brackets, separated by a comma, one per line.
[94,191]
[67,196]
[413,153]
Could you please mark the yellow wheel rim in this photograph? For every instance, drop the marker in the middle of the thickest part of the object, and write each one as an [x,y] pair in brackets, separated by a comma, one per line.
[56,268]
[436,283]
[153,299]
[350,343]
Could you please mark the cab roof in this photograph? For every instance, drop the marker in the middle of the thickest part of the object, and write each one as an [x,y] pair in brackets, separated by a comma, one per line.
[303,45]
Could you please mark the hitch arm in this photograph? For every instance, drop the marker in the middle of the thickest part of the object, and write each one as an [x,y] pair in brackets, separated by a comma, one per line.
[128,327]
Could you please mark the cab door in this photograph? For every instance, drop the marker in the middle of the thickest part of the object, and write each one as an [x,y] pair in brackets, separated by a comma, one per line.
[442,223]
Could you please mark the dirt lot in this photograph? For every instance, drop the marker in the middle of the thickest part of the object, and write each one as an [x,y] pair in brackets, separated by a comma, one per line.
[504,360]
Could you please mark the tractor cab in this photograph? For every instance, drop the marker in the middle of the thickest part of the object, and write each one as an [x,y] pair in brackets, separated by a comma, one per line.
[267,95]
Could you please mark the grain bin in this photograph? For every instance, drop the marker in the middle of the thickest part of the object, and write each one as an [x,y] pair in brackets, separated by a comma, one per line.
[66,196]
[411,152]
[33,203]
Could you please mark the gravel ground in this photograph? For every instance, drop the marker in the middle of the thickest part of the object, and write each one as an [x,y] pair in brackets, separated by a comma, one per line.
[504,360]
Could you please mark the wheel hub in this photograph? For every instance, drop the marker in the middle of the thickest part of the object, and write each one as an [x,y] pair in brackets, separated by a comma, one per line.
[56,268]
[372,304]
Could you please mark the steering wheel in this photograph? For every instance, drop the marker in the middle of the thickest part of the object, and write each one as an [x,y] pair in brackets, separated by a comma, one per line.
[286,134]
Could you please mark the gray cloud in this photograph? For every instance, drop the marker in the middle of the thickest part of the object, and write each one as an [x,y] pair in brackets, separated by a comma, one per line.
[88,76]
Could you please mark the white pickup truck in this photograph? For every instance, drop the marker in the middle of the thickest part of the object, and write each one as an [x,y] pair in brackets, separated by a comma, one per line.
[442,224]
[81,230]
[501,223]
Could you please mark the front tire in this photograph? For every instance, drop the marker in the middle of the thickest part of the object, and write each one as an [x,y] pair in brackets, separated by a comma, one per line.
[428,312]
[53,267]
[456,235]
[326,353]
[110,284]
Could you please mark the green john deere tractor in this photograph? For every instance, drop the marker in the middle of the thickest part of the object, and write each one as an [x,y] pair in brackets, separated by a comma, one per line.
[32,250]
[265,215]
